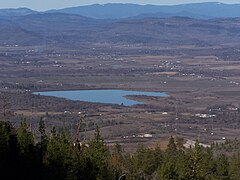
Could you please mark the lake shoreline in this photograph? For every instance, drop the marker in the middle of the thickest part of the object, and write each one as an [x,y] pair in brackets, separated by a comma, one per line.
[106,96]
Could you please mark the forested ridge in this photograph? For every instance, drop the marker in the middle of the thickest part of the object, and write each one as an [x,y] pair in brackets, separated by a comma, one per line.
[58,156]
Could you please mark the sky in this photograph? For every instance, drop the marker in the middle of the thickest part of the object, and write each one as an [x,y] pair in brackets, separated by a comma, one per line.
[42,5]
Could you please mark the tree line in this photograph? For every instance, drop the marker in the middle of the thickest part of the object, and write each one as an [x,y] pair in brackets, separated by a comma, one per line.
[58,156]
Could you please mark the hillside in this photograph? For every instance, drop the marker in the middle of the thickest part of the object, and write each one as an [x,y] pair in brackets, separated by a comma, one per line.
[73,30]
[16,12]
[117,11]
[208,10]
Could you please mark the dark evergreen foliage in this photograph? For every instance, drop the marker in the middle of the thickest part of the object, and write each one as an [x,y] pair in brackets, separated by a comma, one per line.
[58,157]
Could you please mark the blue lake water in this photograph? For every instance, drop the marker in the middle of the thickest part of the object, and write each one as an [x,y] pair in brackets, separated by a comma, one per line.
[102,96]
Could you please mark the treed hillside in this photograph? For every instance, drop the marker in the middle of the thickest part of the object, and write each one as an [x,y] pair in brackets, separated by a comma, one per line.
[56,29]
[58,156]
[206,10]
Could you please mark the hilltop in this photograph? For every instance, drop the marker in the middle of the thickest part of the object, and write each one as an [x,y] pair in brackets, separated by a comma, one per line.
[207,10]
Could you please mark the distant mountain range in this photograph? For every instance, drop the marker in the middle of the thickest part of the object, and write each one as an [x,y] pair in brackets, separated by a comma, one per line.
[119,11]
[16,12]
[123,24]
[116,11]
[68,30]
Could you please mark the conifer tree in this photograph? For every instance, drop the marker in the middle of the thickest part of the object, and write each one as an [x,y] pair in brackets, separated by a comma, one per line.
[100,156]
[171,148]
[169,169]
[222,167]
[61,157]
[235,166]
[44,137]
[25,138]
[194,166]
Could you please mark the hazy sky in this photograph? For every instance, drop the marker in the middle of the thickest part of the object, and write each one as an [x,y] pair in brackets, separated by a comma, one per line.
[56,4]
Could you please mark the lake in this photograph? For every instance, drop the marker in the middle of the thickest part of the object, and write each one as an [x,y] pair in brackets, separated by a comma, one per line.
[102,96]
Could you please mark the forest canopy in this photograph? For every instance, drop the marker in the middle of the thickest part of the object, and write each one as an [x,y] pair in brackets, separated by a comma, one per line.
[58,156]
